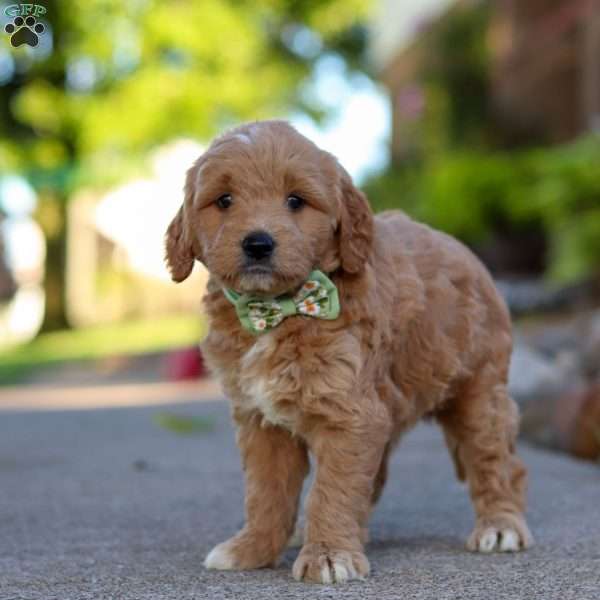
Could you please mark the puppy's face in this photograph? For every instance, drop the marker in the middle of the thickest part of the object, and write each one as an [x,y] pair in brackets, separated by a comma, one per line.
[263,208]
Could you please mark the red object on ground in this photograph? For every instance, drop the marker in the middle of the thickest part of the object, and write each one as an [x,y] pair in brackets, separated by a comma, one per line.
[185,364]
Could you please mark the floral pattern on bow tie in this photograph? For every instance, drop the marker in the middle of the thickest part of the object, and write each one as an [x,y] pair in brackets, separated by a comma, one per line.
[318,297]
[265,314]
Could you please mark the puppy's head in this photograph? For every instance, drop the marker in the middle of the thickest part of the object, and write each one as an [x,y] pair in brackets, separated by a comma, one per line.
[264,207]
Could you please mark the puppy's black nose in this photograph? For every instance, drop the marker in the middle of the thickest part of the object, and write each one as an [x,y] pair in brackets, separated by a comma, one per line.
[258,244]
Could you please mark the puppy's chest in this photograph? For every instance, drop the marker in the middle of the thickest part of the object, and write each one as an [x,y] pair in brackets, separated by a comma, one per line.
[270,384]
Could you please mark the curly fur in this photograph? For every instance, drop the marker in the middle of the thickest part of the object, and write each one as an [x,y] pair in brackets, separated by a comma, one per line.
[422,332]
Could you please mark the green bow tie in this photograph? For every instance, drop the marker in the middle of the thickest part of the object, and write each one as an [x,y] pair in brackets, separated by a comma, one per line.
[318,298]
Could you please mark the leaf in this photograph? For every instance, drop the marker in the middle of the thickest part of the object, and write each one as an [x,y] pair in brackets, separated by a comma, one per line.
[184,425]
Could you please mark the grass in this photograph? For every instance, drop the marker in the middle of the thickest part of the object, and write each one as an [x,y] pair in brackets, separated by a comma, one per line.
[134,337]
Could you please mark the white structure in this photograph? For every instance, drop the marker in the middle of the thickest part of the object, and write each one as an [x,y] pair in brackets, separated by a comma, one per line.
[115,245]
[25,252]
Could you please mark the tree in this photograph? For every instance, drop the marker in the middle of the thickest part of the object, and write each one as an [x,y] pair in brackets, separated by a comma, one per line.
[123,77]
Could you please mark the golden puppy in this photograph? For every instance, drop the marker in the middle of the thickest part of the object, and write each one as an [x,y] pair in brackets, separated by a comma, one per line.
[421,331]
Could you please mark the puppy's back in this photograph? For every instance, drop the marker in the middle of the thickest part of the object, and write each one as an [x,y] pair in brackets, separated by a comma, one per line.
[454,280]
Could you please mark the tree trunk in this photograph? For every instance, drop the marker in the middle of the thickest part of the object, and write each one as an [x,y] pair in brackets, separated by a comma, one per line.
[52,216]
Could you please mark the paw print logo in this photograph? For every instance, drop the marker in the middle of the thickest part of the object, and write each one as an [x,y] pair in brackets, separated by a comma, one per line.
[24,31]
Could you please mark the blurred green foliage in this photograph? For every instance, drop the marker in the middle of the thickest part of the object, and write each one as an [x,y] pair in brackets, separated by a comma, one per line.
[474,195]
[123,77]
[474,177]
[94,343]
[456,79]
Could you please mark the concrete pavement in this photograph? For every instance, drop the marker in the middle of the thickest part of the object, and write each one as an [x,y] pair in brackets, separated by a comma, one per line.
[105,504]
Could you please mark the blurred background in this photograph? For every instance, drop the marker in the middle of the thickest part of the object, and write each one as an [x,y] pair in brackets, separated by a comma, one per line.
[481,118]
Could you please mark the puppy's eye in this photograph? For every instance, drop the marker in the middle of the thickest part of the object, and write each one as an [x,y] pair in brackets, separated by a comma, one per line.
[294,202]
[224,201]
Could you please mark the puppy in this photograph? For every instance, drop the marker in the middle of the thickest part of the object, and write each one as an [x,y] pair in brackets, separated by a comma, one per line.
[333,332]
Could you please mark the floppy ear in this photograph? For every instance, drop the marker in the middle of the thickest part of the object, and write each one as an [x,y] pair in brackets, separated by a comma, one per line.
[179,250]
[355,228]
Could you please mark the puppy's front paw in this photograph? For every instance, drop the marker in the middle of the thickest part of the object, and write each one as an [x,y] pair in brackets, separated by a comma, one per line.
[221,557]
[506,533]
[241,552]
[319,564]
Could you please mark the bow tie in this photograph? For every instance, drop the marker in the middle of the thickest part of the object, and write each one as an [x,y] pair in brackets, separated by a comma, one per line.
[318,298]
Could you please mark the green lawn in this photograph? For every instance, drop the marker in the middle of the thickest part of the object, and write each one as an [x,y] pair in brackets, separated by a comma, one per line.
[134,337]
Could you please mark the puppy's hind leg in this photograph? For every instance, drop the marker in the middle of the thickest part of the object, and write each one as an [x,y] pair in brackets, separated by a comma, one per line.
[381,477]
[480,425]
[453,449]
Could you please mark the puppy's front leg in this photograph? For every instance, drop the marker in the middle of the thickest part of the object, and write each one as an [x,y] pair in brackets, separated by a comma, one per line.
[275,466]
[339,504]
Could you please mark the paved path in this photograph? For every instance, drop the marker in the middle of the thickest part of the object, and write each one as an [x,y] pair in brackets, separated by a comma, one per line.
[105,504]
[36,397]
